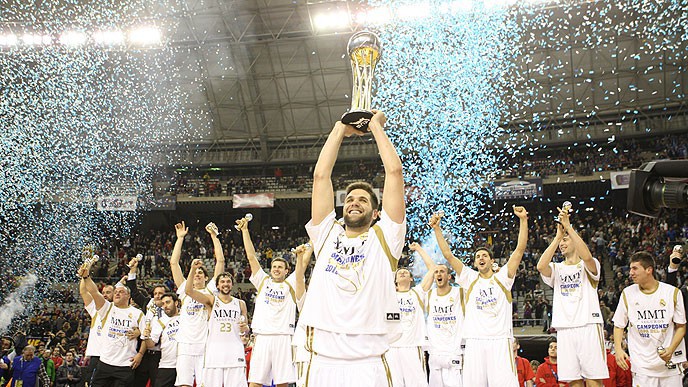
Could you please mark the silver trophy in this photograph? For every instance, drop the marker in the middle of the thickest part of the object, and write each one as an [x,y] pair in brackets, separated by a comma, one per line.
[307,245]
[669,364]
[91,260]
[248,217]
[212,228]
[567,207]
[139,258]
[364,52]
[677,249]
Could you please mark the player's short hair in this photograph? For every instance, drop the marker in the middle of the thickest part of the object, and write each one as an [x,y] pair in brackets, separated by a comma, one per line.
[280,259]
[225,274]
[374,201]
[413,280]
[485,248]
[644,259]
[164,287]
[172,295]
[204,270]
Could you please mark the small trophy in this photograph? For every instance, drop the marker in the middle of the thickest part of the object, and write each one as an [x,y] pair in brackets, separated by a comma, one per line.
[677,249]
[669,364]
[364,52]
[212,227]
[567,207]
[91,260]
[306,245]
[248,217]
[139,258]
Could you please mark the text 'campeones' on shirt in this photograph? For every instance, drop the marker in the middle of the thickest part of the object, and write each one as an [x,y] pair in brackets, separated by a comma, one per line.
[575,302]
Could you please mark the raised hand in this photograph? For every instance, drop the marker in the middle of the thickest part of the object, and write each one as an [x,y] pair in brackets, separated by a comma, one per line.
[212,229]
[521,212]
[181,230]
[435,220]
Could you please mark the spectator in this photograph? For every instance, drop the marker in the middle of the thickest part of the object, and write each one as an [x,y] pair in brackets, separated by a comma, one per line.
[69,374]
[547,375]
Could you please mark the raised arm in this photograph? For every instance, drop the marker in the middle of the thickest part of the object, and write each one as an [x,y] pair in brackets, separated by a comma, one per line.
[139,298]
[248,246]
[548,254]
[322,199]
[515,258]
[181,230]
[205,299]
[581,247]
[90,286]
[454,262]
[85,295]
[393,199]
[303,259]
[426,283]
[217,250]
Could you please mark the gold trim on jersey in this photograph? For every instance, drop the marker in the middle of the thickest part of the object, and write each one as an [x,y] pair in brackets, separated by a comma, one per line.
[422,304]
[511,356]
[387,373]
[675,297]
[393,261]
[600,337]
[463,305]
[104,319]
[506,292]
[291,289]
[623,296]
[421,359]
[592,281]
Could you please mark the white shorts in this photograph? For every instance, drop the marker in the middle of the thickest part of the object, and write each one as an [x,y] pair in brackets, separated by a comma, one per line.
[271,360]
[445,370]
[189,368]
[331,372]
[654,381]
[407,365]
[229,377]
[489,363]
[581,353]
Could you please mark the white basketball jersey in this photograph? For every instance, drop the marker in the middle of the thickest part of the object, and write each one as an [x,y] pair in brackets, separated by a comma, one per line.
[650,319]
[94,343]
[164,332]
[224,348]
[487,304]
[445,321]
[412,306]
[275,310]
[193,318]
[575,295]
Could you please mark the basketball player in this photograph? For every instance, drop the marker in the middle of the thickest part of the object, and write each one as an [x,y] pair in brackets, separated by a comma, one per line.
[406,356]
[488,325]
[193,320]
[352,313]
[163,333]
[274,318]
[118,356]
[93,345]
[224,352]
[301,356]
[445,325]
[148,369]
[655,316]
[576,311]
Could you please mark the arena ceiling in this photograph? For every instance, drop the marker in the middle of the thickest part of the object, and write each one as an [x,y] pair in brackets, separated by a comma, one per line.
[270,79]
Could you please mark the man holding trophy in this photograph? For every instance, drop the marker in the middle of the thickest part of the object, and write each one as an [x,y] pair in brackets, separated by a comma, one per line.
[351,313]
[576,308]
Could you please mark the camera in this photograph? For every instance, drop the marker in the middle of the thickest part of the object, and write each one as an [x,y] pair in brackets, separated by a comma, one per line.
[656,185]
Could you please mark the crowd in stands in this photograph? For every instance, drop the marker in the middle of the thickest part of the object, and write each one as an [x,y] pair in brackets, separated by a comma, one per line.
[567,160]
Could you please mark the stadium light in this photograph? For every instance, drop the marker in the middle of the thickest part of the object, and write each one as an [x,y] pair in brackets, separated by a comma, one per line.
[73,38]
[335,20]
[108,37]
[36,39]
[8,40]
[145,36]
[413,11]
[458,6]
[374,16]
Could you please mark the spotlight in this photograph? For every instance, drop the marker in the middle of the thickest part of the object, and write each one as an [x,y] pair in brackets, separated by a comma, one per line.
[36,39]
[145,36]
[413,11]
[8,40]
[374,16]
[335,20]
[73,38]
[108,37]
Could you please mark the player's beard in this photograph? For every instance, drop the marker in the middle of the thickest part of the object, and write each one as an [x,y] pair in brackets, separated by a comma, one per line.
[361,222]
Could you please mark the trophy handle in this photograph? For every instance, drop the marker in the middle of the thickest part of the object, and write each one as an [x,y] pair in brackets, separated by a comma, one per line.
[359,119]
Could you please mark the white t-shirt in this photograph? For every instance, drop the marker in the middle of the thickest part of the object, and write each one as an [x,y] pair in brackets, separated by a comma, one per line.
[275,307]
[650,319]
[164,332]
[224,348]
[117,350]
[487,304]
[445,322]
[95,333]
[193,320]
[352,303]
[412,305]
[575,295]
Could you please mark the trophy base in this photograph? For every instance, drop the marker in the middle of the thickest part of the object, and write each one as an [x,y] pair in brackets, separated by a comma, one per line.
[359,119]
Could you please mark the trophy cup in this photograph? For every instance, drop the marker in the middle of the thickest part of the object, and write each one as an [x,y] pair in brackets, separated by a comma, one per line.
[248,217]
[364,52]
[566,207]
